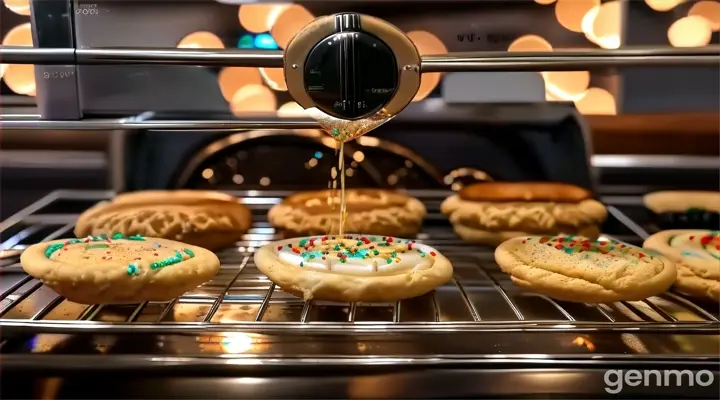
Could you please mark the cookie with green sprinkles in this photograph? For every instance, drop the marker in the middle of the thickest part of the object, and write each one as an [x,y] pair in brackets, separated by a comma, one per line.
[119,269]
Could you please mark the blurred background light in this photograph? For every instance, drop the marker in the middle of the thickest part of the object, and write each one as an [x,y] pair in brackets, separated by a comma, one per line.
[259,18]
[20,78]
[570,13]
[427,43]
[253,98]
[709,10]
[201,40]
[265,41]
[602,25]
[545,2]
[691,31]
[231,79]
[291,109]
[597,101]
[289,22]
[21,7]
[274,78]
[246,41]
[663,5]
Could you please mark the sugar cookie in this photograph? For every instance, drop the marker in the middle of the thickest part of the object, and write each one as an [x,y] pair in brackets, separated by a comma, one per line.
[576,269]
[212,220]
[374,211]
[683,209]
[697,257]
[363,268]
[119,269]
[492,212]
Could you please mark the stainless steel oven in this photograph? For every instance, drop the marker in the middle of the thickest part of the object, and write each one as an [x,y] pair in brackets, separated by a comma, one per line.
[114,66]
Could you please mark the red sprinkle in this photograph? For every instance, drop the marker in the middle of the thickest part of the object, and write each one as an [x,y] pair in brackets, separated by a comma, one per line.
[389,240]
[641,255]
[560,239]
[544,239]
[296,251]
[558,246]
[155,254]
[524,241]
[279,248]
[717,246]
[409,246]
[323,257]
[432,253]
[706,240]
[692,237]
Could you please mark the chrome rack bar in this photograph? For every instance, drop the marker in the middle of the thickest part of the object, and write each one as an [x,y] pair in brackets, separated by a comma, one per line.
[120,124]
[476,61]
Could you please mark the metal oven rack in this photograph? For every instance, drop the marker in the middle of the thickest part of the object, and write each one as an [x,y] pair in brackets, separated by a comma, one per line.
[480,298]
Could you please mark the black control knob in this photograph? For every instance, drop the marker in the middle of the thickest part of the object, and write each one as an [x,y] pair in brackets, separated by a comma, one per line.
[350,74]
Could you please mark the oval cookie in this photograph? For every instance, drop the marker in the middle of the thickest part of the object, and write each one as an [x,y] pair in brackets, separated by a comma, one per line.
[697,257]
[362,268]
[119,269]
[577,269]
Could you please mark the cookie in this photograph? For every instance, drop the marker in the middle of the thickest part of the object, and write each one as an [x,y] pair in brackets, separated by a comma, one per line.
[362,268]
[371,211]
[697,256]
[492,212]
[212,220]
[576,269]
[119,269]
[677,209]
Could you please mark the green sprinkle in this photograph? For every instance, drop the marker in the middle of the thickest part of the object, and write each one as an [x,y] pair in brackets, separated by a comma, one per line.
[74,241]
[373,239]
[117,236]
[335,132]
[343,261]
[136,237]
[104,236]
[53,248]
[301,264]
[376,252]
[96,246]
[337,247]
[422,254]
[133,269]
[189,252]
[359,243]
[303,242]
[154,265]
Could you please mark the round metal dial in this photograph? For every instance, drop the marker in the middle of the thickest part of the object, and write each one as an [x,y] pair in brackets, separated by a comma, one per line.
[350,74]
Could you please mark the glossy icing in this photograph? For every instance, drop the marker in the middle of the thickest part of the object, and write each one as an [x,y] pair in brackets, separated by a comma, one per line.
[357,254]
[133,252]
[697,244]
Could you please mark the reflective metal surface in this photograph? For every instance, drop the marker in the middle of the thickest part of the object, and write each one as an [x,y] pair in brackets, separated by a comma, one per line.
[474,61]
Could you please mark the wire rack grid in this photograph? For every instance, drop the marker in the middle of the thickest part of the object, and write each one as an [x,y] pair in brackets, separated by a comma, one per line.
[478,298]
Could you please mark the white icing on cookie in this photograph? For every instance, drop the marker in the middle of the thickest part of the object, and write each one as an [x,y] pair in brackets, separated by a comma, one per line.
[366,255]
[696,244]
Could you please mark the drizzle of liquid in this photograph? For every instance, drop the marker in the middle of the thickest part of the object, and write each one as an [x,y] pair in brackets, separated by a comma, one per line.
[344,131]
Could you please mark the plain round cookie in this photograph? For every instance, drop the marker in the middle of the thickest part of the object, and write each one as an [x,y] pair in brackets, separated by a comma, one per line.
[400,269]
[208,219]
[119,269]
[373,211]
[576,269]
[697,257]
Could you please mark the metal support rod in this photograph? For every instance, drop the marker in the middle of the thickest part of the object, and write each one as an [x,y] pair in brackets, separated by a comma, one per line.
[476,61]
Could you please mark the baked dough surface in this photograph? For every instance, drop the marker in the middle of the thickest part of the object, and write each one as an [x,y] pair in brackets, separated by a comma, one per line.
[682,201]
[362,268]
[533,217]
[576,269]
[697,255]
[103,270]
[376,211]
[208,219]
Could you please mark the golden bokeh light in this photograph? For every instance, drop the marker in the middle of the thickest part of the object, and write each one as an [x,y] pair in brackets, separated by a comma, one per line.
[259,18]
[566,85]
[201,40]
[427,43]
[291,109]
[545,2]
[231,79]
[597,101]
[21,7]
[663,5]
[709,10]
[274,77]
[692,31]
[602,25]
[20,78]
[570,13]
[291,19]
[253,98]
[529,43]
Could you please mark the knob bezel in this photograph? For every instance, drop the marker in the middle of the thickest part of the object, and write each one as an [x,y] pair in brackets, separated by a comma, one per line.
[406,56]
